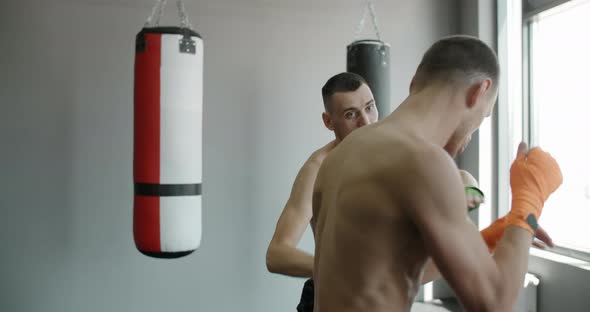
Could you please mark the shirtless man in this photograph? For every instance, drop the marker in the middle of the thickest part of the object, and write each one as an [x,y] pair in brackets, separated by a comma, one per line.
[389,197]
[349,105]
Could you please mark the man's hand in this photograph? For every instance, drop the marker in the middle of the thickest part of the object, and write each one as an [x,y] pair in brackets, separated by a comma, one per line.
[534,176]
[475,197]
[542,239]
[473,194]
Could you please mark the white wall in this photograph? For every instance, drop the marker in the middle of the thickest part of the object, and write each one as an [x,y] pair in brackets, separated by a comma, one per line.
[66,82]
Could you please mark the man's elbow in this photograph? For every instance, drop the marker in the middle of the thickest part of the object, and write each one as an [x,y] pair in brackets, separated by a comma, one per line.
[271,262]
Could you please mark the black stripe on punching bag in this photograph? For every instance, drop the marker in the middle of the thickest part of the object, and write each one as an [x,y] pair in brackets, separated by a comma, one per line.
[150,189]
[370,59]
[140,43]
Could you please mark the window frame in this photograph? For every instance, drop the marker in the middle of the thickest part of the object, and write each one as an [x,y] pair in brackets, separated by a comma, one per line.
[530,126]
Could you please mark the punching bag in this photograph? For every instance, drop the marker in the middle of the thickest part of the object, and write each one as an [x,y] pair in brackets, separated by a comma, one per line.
[370,59]
[167,165]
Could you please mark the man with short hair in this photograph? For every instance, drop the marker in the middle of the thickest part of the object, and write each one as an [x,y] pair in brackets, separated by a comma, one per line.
[349,105]
[389,199]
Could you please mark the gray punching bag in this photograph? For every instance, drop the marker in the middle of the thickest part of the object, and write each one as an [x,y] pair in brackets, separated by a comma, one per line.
[370,59]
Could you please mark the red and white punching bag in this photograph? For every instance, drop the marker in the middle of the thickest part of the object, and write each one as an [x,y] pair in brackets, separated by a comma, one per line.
[168,120]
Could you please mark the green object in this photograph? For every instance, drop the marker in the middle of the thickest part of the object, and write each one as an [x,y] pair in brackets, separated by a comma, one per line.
[475,192]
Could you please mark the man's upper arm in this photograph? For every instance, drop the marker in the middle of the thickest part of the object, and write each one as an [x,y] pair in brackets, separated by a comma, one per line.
[298,210]
[434,199]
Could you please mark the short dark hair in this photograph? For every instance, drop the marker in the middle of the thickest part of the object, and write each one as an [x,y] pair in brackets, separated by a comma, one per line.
[457,57]
[342,82]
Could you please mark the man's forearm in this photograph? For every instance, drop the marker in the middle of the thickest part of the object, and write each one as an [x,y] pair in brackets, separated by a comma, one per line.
[289,261]
[512,259]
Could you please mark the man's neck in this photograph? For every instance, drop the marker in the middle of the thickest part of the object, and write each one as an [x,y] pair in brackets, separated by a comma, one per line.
[431,113]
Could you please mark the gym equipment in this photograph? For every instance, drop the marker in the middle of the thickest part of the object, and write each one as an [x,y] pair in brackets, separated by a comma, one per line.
[167,150]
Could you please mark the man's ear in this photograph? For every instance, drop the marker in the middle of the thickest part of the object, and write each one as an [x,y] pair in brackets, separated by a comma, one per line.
[327,121]
[476,91]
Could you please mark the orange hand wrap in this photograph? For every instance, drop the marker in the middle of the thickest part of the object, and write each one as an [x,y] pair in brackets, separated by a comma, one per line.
[493,233]
[533,177]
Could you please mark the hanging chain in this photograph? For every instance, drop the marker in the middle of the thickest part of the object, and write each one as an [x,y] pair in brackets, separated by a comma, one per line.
[158,10]
[371,9]
[375,26]
[184,22]
[361,25]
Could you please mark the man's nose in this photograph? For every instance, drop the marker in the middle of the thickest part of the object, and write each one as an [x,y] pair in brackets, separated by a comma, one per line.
[363,120]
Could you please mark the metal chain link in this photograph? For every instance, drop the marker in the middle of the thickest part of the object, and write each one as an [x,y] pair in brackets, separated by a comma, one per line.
[361,25]
[158,10]
[184,22]
[371,8]
[375,26]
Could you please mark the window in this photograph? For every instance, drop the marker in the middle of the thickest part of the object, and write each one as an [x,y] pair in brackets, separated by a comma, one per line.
[559,114]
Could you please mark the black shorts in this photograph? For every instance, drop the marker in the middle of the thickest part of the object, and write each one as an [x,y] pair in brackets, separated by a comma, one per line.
[306,302]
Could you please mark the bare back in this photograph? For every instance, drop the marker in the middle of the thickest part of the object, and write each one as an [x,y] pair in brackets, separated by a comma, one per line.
[369,255]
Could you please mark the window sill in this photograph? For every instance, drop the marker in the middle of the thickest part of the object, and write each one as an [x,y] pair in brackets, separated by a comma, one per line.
[546,254]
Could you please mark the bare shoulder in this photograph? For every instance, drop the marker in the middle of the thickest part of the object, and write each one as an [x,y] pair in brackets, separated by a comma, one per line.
[316,159]
[312,165]
[318,156]
[420,165]
[429,159]
[428,183]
